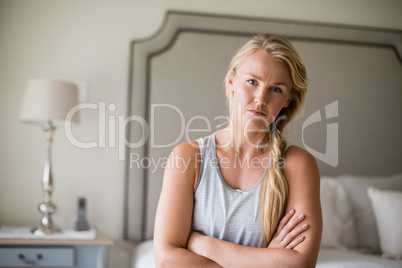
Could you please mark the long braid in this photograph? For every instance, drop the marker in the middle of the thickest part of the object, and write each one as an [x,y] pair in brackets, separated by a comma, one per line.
[275,191]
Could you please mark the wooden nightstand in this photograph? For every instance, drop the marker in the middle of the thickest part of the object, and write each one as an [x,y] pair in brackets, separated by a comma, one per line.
[54,252]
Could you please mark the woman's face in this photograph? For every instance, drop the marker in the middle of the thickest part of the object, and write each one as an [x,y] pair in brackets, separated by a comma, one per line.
[261,88]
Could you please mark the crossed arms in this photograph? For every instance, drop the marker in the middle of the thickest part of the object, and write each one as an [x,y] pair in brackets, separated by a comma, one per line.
[292,246]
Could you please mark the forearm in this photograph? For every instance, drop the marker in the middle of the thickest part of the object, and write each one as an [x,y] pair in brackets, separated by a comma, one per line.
[181,257]
[229,254]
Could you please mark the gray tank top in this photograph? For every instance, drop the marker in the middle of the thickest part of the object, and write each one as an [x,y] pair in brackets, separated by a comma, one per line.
[221,211]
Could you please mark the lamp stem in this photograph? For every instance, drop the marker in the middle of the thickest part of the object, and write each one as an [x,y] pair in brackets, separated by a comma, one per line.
[47,179]
[47,208]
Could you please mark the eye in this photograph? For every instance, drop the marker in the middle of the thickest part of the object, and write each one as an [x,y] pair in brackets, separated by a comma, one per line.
[252,82]
[277,89]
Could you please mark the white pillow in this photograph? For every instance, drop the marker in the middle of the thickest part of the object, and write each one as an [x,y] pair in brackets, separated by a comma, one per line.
[387,207]
[366,226]
[336,214]
[331,224]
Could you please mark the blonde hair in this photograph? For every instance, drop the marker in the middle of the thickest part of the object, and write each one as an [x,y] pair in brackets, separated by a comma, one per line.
[275,189]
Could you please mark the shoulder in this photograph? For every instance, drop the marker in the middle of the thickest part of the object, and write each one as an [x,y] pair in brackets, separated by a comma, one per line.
[185,156]
[296,155]
[187,149]
[300,163]
[191,150]
[184,163]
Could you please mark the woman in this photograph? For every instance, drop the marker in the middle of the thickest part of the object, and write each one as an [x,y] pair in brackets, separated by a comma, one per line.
[239,200]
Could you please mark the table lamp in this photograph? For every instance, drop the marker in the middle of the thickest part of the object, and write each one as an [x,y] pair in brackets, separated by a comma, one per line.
[46,103]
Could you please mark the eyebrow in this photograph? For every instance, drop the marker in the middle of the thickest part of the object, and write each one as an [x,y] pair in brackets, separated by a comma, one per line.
[255,76]
[260,78]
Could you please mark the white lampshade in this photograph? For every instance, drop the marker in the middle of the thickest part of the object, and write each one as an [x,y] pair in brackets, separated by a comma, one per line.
[48,100]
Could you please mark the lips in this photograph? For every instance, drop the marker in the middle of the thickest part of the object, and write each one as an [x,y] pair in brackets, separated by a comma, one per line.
[257,113]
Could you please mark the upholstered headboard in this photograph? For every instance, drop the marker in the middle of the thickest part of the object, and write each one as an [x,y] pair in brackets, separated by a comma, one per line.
[352,119]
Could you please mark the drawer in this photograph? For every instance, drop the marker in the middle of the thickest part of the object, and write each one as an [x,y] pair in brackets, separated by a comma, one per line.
[37,257]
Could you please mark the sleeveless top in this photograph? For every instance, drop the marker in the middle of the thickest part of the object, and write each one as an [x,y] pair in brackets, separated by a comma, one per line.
[223,212]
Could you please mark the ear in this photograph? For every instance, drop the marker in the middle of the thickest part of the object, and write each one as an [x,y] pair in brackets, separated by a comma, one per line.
[288,102]
[230,82]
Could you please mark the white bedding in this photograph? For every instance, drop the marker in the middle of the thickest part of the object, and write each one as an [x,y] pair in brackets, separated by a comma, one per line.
[328,258]
[144,255]
[335,258]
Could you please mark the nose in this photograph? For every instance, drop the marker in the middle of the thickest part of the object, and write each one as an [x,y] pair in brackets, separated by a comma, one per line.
[260,97]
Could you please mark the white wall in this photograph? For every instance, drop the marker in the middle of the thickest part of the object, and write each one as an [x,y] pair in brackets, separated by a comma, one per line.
[89,40]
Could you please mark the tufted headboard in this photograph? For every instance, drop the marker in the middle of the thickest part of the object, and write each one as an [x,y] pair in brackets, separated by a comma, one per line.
[352,121]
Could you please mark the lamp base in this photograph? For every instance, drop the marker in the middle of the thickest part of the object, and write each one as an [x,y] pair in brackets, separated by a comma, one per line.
[47,208]
[45,230]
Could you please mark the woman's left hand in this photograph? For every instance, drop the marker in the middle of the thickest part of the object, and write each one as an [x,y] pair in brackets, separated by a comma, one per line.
[288,233]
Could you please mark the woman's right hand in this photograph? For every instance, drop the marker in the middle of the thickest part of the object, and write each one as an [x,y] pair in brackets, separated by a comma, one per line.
[287,234]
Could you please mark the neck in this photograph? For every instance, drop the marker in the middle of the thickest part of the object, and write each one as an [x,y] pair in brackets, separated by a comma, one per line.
[244,140]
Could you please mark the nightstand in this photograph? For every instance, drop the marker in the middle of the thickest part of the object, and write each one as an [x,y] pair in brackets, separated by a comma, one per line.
[54,252]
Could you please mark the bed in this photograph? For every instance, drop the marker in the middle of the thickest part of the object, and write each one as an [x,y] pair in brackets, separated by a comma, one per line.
[176,94]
